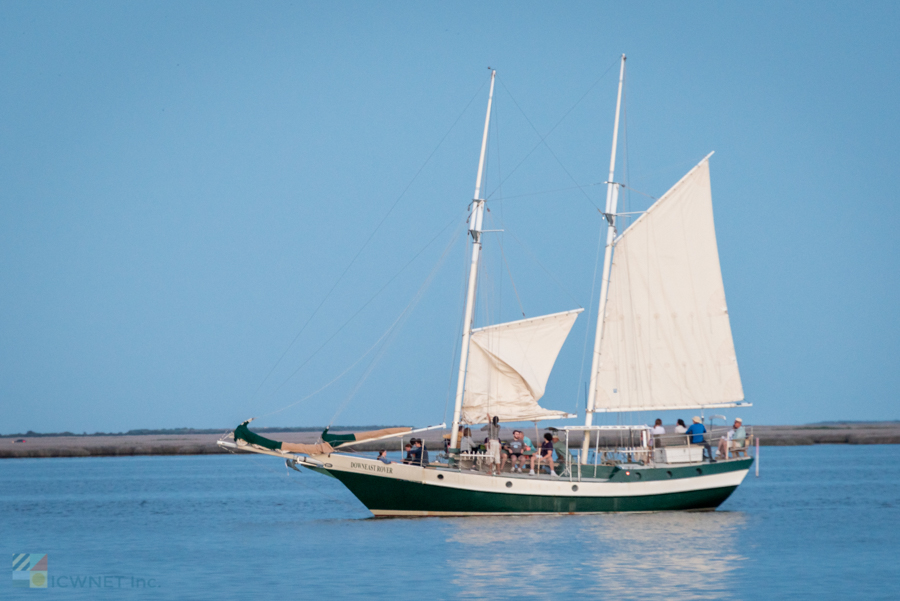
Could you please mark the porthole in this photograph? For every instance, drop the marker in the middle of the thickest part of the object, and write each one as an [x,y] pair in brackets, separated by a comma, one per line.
[637,475]
[509,485]
[669,473]
[440,476]
[699,472]
[574,488]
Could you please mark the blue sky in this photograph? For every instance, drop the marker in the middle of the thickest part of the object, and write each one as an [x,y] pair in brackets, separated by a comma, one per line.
[182,184]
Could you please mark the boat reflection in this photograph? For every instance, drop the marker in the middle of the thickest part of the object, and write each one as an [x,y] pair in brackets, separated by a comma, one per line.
[681,555]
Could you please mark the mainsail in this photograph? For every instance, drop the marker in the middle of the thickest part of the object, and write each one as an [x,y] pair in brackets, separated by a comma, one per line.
[667,338]
[508,368]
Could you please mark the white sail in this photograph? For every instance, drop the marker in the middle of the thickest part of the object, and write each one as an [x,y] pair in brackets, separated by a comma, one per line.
[509,365]
[667,338]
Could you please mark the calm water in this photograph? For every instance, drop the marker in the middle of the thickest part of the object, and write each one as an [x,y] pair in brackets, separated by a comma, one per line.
[820,523]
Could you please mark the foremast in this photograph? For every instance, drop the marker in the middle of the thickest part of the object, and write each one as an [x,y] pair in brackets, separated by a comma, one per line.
[475,219]
[612,199]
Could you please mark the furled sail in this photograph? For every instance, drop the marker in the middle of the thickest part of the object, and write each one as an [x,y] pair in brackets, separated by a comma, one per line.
[243,437]
[667,338]
[509,365]
[342,439]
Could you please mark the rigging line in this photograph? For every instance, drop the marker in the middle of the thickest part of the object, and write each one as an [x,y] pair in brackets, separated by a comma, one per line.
[587,331]
[462,319]
[366,304]
[502,198]
[547,146]
[541,141]
[341,375]
[626,175]
[365,244]
[632,189]
[404,315]
[354,364]
[509,271]
[541,265]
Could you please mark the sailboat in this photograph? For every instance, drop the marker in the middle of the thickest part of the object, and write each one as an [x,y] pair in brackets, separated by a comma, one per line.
[663,342]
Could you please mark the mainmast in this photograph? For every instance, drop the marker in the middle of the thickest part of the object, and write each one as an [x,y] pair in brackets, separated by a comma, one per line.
[475,218]
[612,199]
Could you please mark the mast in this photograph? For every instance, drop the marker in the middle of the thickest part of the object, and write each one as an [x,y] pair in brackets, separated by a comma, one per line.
[612,199]
[475,230]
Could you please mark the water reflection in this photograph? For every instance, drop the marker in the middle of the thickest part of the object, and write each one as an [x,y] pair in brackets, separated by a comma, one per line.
[682,555]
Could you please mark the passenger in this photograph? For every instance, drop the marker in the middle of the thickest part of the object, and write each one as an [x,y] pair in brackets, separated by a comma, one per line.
[735,437]
[409,453]
[696,436]
[493,444]
[466,444]
[560,448]
[420,453]
[680,428]
[527,450]
[382,457]
[546,455]
[415,454]
[514,450]
[529,446]
[656,431]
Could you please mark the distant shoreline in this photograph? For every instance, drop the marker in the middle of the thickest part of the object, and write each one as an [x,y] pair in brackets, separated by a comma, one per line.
[204,442]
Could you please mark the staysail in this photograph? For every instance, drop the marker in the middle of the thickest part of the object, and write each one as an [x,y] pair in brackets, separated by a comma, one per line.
[667,339]
[508,368]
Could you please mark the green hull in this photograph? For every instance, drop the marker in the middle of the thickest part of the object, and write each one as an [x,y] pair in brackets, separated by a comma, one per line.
[391,496]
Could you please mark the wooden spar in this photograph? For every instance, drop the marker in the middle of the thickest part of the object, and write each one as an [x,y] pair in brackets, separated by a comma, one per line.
[475,230]
[612,197]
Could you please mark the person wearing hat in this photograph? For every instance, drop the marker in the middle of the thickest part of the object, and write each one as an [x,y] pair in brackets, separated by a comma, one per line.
[559,447]
[696,435]
[735,438]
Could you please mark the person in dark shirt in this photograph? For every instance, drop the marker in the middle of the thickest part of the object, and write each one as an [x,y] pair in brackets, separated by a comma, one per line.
[695,435]
[382,457]
[409,453]
[419,452]
[545,455]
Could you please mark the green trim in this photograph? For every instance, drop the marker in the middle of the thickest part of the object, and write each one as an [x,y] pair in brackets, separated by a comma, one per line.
[389,494]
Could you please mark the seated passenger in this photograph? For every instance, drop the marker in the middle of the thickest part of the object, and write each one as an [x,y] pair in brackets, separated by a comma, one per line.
[529,446]
[696,436]
[515,450]
[545,456]
[680,428]
[560,448]
[735,438]
[382,457]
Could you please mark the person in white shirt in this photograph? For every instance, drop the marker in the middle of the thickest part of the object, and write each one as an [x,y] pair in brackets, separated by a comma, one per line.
[735,437]
[656,431]
[680,428]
